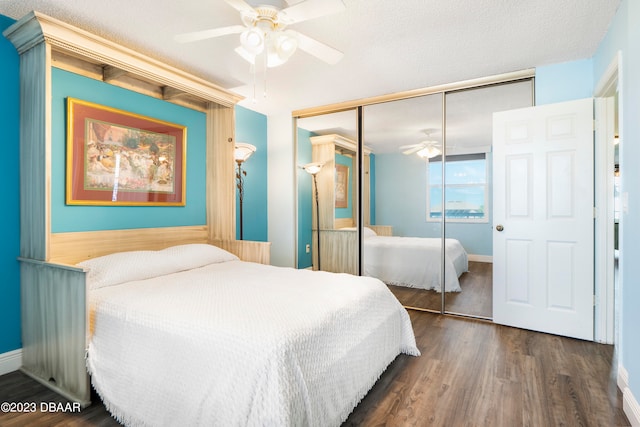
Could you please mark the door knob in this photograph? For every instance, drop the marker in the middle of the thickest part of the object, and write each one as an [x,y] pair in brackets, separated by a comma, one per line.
[499,227]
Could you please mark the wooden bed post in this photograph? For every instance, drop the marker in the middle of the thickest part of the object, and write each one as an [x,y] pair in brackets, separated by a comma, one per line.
[221,188]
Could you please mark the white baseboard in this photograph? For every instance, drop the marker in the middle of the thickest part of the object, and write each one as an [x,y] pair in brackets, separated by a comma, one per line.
[10,361]
[480,258]
[630,405]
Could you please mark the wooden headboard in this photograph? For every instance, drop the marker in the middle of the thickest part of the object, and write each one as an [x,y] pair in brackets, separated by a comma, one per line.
[72,248]
[339,223]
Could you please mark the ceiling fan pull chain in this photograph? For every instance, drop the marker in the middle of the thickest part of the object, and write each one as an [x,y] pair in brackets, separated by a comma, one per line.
[252,70]
[266,57]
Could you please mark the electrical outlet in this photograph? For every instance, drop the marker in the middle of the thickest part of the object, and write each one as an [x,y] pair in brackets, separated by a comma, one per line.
[307,248]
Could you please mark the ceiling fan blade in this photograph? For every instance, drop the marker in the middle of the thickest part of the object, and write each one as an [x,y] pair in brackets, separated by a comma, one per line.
[318,49]
[413,150]
[208,34]
[241,6]
[404,147]
[309,9]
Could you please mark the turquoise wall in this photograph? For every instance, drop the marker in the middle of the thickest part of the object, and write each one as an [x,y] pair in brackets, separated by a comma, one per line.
[66,218]
[401,196]
[251,127]
[372,188]
[10,248]
[567,81]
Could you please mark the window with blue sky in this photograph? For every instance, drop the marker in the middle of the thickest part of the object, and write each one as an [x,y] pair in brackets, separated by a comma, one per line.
[466,189]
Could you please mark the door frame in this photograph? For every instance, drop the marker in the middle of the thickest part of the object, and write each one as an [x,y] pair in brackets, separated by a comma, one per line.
[605,316]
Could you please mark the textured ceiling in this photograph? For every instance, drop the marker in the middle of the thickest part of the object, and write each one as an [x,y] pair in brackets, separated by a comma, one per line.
[389,46]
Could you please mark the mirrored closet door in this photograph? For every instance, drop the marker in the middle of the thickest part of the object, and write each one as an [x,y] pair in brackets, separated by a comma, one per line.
[327,170]
[425,193]
[402,242]
[468,194]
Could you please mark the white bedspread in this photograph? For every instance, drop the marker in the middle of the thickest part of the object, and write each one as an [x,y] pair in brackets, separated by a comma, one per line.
[414,261]
[237,343]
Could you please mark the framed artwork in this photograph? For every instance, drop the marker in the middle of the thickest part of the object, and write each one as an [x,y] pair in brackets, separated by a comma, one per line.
[119,158]
[342,186]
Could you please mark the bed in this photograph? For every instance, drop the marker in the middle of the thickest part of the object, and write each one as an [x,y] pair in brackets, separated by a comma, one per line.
[413,261]
[191,335]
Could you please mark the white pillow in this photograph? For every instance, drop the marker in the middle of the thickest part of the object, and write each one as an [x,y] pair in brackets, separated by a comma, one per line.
[124,267]
[194,255]
[367,231]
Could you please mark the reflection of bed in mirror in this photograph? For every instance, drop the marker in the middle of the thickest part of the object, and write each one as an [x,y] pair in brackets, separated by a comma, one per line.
[402,261]
[413,261]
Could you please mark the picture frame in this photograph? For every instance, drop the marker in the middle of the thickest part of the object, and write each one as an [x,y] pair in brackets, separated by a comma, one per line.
[342,186]
[115,157]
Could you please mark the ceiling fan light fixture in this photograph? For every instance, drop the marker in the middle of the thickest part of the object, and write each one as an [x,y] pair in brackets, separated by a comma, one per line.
[428,152]
[264,32]
[286,43]
[252,40]
[280,47]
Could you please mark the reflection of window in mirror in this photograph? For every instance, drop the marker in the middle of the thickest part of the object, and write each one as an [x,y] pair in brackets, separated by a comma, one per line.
[466,188]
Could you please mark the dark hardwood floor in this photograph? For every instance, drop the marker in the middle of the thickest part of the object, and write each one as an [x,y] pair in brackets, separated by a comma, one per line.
[471,373]
[476,373]
[17,387]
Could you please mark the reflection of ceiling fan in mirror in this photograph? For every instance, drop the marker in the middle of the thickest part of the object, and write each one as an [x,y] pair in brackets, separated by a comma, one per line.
[264,31]
[426,149]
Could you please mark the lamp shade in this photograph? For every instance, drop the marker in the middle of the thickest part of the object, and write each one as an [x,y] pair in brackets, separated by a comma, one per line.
[312,168]
[243,151]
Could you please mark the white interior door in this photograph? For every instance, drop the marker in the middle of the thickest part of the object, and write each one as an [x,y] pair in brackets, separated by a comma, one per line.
[543,218]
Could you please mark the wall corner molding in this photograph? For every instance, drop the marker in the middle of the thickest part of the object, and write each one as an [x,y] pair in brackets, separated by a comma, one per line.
[630,405]
[622,378]
[10,361]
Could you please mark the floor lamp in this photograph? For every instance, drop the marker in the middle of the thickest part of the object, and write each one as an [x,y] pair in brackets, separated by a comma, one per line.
[313,169]
[241,153]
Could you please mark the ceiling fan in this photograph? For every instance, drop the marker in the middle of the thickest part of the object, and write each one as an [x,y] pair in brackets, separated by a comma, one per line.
[265,30]
[428,148]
